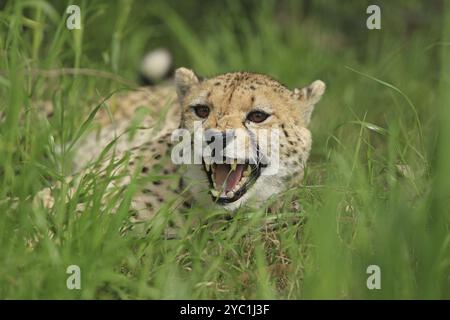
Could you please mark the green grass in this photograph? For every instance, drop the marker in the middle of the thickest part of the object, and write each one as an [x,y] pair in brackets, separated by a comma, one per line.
[377,189]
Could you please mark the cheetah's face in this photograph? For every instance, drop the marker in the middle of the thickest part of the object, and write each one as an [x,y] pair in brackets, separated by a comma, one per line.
[256,126]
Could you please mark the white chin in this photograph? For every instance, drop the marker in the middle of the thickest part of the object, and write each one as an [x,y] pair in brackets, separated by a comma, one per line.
[264,188]
[247,200]
[232,206]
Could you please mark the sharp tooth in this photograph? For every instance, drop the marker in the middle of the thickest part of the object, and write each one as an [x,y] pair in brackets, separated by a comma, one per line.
[208,167]
[233,165]
[214,192]
[230,194]
[248,171]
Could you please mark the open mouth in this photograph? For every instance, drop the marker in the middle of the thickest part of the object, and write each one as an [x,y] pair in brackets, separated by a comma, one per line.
[230,181]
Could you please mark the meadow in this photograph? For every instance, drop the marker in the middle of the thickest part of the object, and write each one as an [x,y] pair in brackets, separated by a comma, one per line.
[377,188]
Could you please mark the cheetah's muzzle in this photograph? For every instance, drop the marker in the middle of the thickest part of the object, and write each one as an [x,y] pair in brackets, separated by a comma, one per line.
[229,181]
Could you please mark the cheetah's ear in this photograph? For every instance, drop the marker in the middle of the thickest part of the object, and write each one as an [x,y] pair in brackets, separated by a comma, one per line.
[308,97]
[184,80]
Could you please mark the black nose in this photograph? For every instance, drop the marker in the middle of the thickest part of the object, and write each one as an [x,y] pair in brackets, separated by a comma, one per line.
[224,137]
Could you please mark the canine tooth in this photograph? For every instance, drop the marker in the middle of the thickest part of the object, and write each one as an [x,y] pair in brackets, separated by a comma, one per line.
[230,194]
[214,192]
[233,165]
[247,172]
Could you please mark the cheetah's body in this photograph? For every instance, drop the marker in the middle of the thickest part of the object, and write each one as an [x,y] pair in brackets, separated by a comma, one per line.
[142,122]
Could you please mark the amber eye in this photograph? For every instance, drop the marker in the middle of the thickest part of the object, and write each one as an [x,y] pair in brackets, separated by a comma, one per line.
[201,111]
[257,116]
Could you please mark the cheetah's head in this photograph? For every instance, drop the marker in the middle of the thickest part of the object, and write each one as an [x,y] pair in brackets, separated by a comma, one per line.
[260,127]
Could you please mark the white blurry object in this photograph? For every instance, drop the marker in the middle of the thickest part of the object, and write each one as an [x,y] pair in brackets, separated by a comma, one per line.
[156,64]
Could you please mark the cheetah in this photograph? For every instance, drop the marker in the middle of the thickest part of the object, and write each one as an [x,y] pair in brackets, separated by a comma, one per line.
[238,105]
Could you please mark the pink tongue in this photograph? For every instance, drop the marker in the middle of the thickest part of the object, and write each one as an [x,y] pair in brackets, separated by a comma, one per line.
[222,171]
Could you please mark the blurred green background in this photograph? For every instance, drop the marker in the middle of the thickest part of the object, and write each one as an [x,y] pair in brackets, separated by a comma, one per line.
[377,190]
